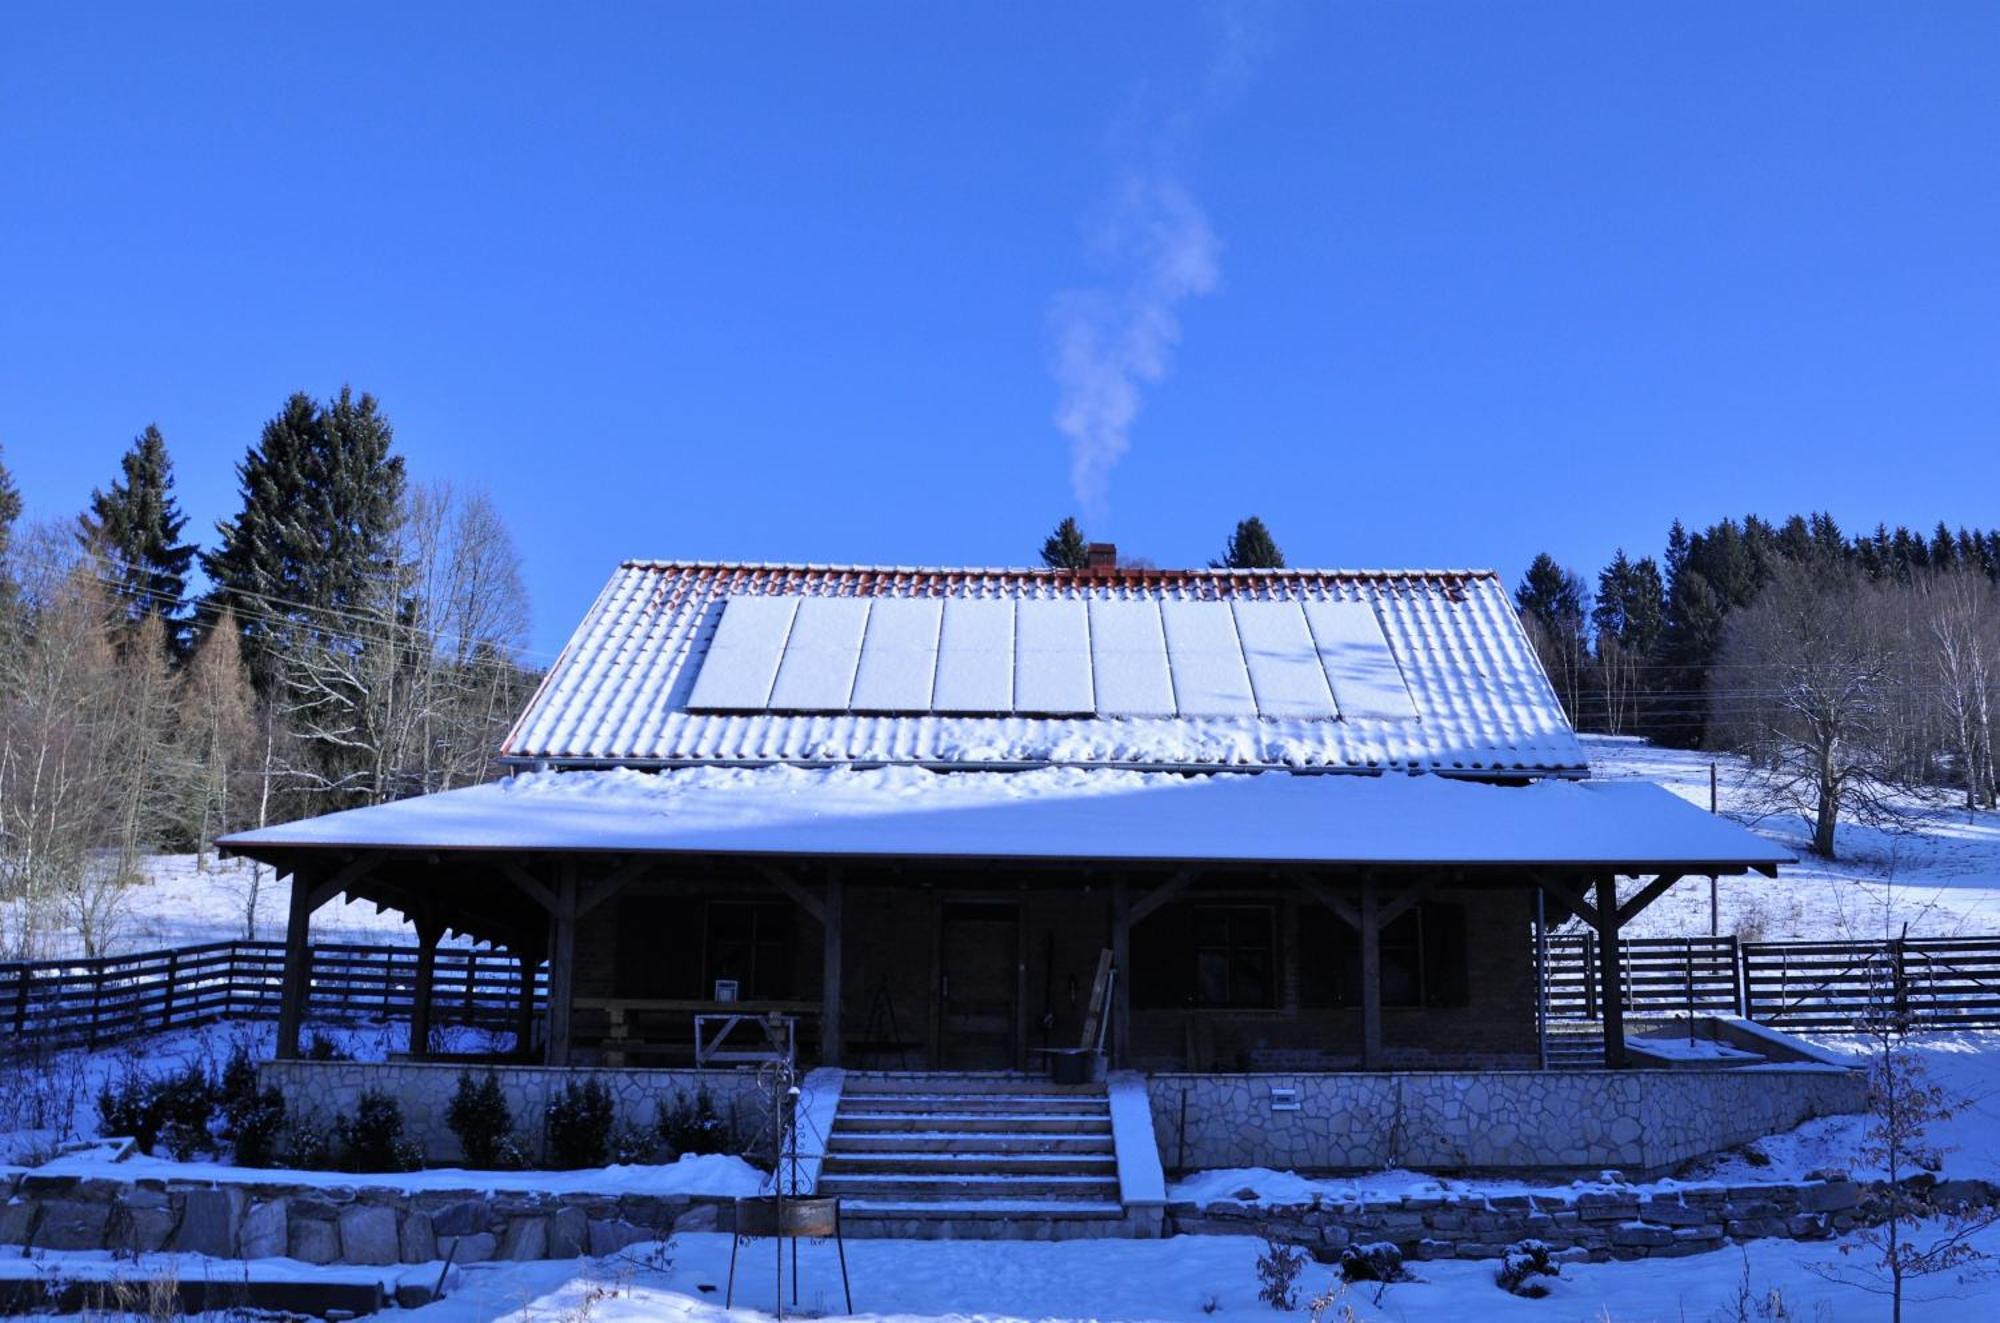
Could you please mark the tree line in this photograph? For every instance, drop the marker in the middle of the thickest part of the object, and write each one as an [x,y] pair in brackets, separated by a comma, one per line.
[1852,670]
[356,638]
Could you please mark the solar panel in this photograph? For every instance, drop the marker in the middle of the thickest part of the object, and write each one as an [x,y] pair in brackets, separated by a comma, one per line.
[1206,660]
[1285,671]
[1366,680]
[817,673]
[1128,658]
[899,655]
[975,663]
[742,658]
[1052,656]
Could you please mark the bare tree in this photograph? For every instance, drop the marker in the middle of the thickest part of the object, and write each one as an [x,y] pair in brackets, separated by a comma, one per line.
[220,735]
[1803,686]
[1960,613]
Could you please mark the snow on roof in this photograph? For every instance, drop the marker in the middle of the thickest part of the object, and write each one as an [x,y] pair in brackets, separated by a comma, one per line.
[1052,814]
[619,695]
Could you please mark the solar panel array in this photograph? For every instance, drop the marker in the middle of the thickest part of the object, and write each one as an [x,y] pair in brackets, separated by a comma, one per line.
[1052,656]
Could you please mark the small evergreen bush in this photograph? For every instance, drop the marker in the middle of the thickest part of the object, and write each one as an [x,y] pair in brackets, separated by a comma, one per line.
[322,1048]
[1523,1262]
[174,1109]
[372,1138]
[252,1118]
[691,1124]
[308,1145]
[478,1116]
[1379,1261]
[579,1126]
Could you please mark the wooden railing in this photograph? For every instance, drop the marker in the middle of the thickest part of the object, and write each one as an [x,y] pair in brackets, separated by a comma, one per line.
[53,1004]
[1931,982]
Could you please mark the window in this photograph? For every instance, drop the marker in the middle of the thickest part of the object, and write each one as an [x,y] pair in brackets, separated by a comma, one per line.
[1423,954]
[1206,955]
[750,943]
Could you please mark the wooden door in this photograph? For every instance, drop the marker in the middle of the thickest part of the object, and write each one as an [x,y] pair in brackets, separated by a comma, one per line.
[979,985]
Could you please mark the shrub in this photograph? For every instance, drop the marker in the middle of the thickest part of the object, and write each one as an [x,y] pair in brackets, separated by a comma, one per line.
[1278,1270]
[691,1124]
[1379,1261]
[631,1144]
[172,1108]
[579,1125]
[478,1115]
[322,1048]
[308,1145]
[252,1118]
[1522,1263]
[372,1138]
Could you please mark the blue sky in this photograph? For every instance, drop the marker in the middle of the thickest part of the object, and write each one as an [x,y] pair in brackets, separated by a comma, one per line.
[1419,284]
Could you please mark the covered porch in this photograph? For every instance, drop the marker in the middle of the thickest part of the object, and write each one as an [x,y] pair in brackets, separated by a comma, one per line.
[904,919]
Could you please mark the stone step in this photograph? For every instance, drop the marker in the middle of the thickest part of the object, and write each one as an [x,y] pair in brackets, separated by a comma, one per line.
[972,1187]
[950,1103]
[838,1163]
[987,1085]
[970,1141]
[993,1123]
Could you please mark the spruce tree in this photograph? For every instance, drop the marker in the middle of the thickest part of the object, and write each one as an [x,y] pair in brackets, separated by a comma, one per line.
[9,514]
[321,497]
[1251,547]
[1066,548]
[135,529]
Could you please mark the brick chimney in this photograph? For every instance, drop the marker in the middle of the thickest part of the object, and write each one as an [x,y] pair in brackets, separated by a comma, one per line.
[1102,558]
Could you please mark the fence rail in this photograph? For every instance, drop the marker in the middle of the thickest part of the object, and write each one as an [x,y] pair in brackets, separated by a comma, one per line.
[1934,982]
[55,1004]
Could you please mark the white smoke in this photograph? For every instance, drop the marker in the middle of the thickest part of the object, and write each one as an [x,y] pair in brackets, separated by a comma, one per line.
[1112,343]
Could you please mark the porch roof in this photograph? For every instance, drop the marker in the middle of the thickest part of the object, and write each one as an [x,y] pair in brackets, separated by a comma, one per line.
[1050,814]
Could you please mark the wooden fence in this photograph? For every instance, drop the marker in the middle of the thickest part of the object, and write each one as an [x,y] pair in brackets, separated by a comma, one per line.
[55,1004]
[1936,982]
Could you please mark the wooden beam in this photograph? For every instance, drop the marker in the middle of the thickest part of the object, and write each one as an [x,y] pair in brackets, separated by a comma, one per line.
[429,931]
[792,887]
[537,890]
[1610,975]
[1160,895]
[562,967]
[1371,975]
[611,884]
[297,987]
[1651,892]
[1406,899]
[1332,899]
[832,920]
[1572,899]
[1120,1009]
[524,1008]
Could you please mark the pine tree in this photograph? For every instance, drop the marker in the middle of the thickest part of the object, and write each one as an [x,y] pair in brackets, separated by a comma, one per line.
[1066,549]
[10,511]
[134,530]
[1251,547]
[321,496]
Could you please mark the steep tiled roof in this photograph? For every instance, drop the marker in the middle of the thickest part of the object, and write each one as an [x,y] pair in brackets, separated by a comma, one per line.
[619,693]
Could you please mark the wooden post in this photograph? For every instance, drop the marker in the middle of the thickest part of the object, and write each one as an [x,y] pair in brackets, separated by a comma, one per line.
[562,967]
[429,933]
[297,986]
[524,1009]
[1371,975]
[831,924]
[1121,975]
[1610,976]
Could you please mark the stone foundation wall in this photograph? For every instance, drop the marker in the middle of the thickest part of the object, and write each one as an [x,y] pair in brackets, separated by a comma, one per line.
[337,1224]
[1636,1121]
[1597,1226]
[326,1089]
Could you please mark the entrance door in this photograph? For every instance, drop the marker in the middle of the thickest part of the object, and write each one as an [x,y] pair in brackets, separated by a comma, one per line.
[979,955]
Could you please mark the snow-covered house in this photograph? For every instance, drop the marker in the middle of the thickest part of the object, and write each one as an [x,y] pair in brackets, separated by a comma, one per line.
[1310,819]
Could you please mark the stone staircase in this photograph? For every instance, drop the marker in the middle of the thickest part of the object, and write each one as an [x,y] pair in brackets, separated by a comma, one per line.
[1576,1046]
[973,1157]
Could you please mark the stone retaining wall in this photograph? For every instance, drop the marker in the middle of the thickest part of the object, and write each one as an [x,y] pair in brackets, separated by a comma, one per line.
[1598,1225]
[1636,1121]
[337,1224]
[326,1089]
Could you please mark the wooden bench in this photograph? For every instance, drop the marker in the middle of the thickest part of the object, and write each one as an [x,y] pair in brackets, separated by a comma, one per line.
[663,1028]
